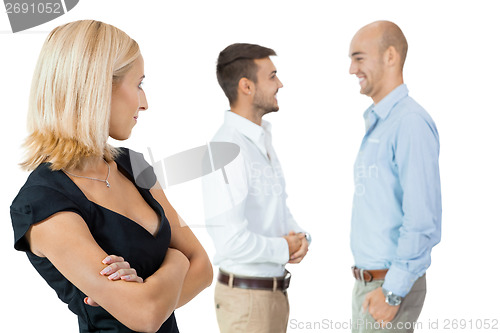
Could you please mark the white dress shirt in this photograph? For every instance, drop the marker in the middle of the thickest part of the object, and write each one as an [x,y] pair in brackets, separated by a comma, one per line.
[248,217]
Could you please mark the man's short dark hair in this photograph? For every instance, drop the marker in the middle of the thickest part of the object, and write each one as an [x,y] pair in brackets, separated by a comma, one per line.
[237,61]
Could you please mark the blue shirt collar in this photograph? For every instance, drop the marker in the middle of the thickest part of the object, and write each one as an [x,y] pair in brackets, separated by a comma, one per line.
[384,107]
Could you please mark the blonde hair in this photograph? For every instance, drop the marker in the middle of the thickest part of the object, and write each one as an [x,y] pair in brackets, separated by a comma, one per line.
[70,100]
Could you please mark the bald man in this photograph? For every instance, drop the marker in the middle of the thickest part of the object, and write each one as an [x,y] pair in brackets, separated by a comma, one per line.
[396,216]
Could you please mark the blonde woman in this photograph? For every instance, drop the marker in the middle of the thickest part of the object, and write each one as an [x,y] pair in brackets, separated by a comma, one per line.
[111,248]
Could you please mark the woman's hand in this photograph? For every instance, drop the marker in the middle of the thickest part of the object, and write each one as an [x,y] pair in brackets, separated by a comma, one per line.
[117,269]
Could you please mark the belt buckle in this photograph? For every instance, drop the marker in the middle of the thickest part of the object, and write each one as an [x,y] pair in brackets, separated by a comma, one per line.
[286,280]
[362,276]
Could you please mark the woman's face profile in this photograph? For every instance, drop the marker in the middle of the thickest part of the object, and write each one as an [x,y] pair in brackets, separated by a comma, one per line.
[127,99]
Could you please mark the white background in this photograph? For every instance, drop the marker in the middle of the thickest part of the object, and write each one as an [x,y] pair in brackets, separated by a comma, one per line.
[452,70]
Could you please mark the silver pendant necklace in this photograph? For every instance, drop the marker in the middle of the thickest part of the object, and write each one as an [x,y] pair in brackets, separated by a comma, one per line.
[91,178]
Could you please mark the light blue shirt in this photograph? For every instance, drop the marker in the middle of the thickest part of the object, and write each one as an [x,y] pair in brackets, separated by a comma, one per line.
[396,215]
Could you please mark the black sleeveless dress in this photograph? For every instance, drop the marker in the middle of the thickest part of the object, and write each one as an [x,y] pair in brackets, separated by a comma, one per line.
[46,193]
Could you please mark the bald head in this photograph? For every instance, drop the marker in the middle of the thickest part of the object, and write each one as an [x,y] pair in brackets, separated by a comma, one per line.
[387,34]
[378,53]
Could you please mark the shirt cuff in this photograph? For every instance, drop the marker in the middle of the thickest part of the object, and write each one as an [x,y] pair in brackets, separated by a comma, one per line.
[281,255]
[399,281]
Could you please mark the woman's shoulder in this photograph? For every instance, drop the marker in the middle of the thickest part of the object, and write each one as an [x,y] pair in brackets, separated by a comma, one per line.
[139,170]
[44,177]
[45,193]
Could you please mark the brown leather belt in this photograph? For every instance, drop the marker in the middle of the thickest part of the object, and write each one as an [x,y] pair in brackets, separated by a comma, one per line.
[278,283]
[366,275]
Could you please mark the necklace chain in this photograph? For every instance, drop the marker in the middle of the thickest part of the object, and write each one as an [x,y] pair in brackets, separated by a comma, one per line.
[91,178]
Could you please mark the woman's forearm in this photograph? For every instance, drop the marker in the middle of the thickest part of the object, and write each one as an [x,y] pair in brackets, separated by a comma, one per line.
[200,272]
[198,277]
[66,241]
[162,291]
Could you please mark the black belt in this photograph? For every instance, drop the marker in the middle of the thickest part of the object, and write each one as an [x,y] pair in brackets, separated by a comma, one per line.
[278,283]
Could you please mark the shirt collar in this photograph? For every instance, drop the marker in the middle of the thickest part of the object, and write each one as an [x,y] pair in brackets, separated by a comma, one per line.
[384,107]
[252,131]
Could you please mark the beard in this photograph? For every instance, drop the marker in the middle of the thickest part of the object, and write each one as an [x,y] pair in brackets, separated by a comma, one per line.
[265,103]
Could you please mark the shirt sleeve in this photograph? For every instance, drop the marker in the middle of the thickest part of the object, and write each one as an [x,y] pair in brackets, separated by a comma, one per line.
[290,221]
[35,204]
[416,158]
[225,205]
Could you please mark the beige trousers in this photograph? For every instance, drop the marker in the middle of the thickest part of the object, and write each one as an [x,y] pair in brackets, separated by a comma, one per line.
[251,311]
[405,319]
